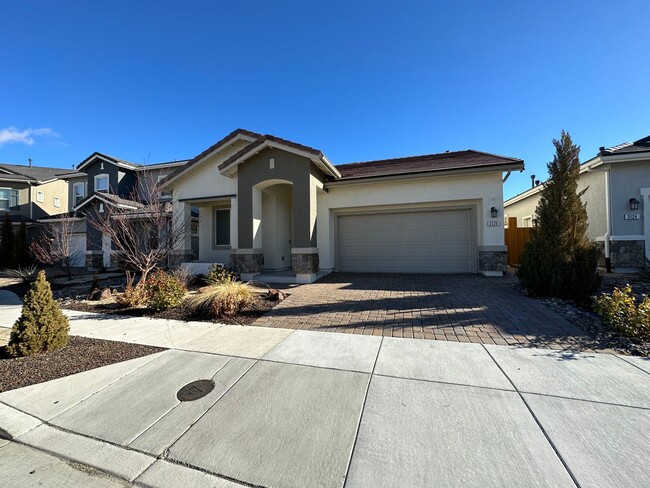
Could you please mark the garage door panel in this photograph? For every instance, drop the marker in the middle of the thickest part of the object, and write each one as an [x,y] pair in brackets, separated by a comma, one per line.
[411,242]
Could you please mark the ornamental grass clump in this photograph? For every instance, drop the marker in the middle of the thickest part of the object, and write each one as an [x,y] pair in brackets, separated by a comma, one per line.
[164,291]
[225,299]
[621,312]
[41,327]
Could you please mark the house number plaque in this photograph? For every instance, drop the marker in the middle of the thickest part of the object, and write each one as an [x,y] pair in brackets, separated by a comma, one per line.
[632,216]
[493,223]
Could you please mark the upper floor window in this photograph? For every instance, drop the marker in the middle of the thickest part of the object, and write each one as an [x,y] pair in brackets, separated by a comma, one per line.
[79,193]
[8,198]
[101,183]
[57,202]
[40,196]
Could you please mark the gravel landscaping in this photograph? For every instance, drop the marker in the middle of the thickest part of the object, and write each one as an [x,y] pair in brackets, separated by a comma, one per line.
[81,354]
[589,321]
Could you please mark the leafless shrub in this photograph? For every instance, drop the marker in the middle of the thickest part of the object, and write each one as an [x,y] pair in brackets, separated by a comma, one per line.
[55,245]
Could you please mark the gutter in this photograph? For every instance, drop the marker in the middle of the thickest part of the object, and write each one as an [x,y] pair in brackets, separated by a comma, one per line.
[422,174]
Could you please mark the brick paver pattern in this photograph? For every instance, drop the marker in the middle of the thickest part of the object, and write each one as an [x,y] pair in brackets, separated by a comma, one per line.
[462,308]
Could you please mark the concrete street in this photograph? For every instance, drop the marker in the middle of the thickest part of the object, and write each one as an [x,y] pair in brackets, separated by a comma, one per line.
[295,408]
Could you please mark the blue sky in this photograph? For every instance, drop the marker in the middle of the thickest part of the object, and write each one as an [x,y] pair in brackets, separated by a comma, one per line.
[155,81]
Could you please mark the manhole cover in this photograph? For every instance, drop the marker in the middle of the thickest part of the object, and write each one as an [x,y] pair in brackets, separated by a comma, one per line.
[195,390]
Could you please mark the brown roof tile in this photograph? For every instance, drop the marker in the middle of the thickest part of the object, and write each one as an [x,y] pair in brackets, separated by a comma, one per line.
[421,164]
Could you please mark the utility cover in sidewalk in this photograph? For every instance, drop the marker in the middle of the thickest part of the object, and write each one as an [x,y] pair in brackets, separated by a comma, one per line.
[195,390]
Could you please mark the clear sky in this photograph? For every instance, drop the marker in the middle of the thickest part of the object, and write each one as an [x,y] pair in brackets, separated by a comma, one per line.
[151,81]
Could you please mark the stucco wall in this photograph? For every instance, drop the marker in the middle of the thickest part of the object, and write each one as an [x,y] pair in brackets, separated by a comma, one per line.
[288,167]
[479,191]
[23,198]
[593,182]
[56,188]
[626,180]
[205,181]
[522,209]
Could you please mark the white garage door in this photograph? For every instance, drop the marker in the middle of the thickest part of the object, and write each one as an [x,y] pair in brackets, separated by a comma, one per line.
[407,242]
[78,248]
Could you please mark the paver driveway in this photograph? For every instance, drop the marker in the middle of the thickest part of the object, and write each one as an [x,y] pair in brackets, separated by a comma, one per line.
[463,308]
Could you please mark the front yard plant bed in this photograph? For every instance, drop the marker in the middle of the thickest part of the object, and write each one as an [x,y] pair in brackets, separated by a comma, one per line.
[244,317]
[588,320]
[81,354]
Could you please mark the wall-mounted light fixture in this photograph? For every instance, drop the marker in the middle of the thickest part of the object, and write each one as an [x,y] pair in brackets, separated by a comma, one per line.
[494,213]
[634,204]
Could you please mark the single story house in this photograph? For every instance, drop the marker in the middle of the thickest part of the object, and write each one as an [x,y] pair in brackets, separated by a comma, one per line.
[616,185]
[269,206]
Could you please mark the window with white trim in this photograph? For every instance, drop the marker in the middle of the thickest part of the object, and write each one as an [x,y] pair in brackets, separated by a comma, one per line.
[40,196]
[57,202]
[78,193]
[527,221]
[8,198]
[101,183]
[222,227]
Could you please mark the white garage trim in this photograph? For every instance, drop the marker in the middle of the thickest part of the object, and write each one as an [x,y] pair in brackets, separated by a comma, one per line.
[415,240]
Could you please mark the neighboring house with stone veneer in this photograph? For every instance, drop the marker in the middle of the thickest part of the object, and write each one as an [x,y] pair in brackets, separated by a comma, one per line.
[282,210]
[616,185]
[29,193]
[100,181]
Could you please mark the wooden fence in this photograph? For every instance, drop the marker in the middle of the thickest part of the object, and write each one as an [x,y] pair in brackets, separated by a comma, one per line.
[515,238]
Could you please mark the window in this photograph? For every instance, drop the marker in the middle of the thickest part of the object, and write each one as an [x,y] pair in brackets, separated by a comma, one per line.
[101,183]
[40,196]
[527,221]
[79,193]
[222,227]
[57,202]
[8,198]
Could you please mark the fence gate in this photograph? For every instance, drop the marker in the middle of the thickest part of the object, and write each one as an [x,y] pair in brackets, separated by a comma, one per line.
[515,238]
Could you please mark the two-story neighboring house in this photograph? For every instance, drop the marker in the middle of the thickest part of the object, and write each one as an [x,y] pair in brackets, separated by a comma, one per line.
[616,185]
[29,193]
[99,181]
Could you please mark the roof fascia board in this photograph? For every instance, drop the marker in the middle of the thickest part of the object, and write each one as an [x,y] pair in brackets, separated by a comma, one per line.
[217,150]
[321,161]
[108,159]
[98,197]
[153,167]
[15,180]
[424,174]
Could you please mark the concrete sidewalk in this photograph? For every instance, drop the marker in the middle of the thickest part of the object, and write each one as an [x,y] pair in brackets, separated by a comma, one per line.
[301,408]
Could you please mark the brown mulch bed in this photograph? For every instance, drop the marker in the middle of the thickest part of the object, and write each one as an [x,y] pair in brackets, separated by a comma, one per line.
[245,317]
[81,354]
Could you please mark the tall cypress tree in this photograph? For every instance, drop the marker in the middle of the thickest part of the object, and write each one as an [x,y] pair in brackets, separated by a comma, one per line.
[559,260]
[7,244]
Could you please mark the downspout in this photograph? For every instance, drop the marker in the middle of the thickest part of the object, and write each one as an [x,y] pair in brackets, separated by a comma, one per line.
[608,216]
[31,203]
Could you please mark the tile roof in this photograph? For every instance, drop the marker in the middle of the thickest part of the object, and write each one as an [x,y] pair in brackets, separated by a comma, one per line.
[423,164]
[642,145]
[32,173]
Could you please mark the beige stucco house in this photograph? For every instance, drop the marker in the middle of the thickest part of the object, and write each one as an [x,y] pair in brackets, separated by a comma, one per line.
[279,210]
[29,193]
[616,185]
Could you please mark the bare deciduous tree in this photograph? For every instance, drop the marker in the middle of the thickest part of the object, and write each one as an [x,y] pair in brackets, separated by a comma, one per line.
[56,247]
[143,230]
